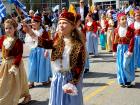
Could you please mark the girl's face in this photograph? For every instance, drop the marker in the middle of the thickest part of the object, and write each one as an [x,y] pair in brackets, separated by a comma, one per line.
[35,25]
[123,20]
[89,17]
[109,15]
[137,17]
[9,30]
[65,27]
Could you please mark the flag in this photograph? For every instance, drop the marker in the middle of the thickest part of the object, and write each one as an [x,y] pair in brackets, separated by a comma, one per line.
[72,9]
[2,10]
[114,16]
[92,8]
[19,6]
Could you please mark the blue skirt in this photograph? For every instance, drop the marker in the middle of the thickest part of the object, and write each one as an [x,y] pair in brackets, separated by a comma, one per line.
[125,65]
[137,52]
[58,97]
[95,45]
[87,63]
[103,41]
[39,66]
[89,42]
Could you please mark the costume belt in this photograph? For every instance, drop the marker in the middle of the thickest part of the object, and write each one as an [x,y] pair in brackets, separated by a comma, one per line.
[64,71]
[9,58]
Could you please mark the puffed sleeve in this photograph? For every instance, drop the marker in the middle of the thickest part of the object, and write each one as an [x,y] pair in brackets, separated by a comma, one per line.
[18,51]
[1,41]
[131,44]
[115,40]
[47,44]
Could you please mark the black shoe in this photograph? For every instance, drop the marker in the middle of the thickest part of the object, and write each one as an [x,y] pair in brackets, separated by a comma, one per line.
[122,85]
[128,84]
[86,70]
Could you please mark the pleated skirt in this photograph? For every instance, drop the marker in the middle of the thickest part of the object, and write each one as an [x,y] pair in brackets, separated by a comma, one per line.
[39,67]
[12,87]
[125,65]
[57,95]
[137,52]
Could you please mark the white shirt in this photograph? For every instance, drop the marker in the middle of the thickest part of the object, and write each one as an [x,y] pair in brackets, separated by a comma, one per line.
[58,65]
[29,41]
[103,23]
[122,31]
[89,23]
[137,25]
[82,13]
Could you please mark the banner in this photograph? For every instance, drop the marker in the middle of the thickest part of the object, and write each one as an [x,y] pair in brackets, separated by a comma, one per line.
[19,6]
[2,10]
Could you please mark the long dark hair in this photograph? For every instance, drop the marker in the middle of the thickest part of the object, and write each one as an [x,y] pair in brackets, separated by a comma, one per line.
[77,35]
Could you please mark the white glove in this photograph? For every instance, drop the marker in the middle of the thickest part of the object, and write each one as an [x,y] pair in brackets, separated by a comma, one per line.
[70,89]
[13,70]
[114,54]
[128,53]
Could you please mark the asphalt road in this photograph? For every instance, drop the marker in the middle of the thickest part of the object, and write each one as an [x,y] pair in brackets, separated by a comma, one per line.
[100,86]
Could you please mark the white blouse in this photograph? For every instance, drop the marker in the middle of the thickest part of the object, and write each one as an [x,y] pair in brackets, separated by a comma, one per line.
[89,23]
[63,64]
[137,25]
[29,41]
[122,31]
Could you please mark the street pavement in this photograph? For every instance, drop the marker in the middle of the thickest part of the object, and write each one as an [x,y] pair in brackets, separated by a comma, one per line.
[100,86]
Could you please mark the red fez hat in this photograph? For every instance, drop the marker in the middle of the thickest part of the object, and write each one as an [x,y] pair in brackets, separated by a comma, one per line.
[36,18]
[68,16]
[120,15]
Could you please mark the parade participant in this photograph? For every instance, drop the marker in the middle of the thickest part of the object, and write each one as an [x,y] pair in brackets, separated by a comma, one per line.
[80,27]
[39,65]
[91,28]
[67,59]
[110,32]
[136,27]
[13,80]
[123,44]
[103,30]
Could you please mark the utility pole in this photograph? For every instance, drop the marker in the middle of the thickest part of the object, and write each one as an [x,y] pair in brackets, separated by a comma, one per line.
[117,4]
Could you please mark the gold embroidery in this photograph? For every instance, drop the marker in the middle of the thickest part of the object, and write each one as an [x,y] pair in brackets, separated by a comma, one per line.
[57,52]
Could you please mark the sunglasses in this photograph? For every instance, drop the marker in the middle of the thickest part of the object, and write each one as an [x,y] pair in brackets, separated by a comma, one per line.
[81,2]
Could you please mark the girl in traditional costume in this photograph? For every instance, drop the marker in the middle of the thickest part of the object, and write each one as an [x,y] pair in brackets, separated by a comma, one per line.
[136,27]
[39,65]
[13,80]
[67,59]
[91,28]
[123,45]
[103,30]
[110,32]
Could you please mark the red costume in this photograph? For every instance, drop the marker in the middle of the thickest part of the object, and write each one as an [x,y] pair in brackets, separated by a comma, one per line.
[128,39]
[136,31]
[15,51]
[93,27]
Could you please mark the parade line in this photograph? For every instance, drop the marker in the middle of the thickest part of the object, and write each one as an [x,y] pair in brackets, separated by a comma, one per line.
[97,91]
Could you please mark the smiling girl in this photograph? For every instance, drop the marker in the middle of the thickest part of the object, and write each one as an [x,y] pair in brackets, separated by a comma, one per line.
[13,80]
